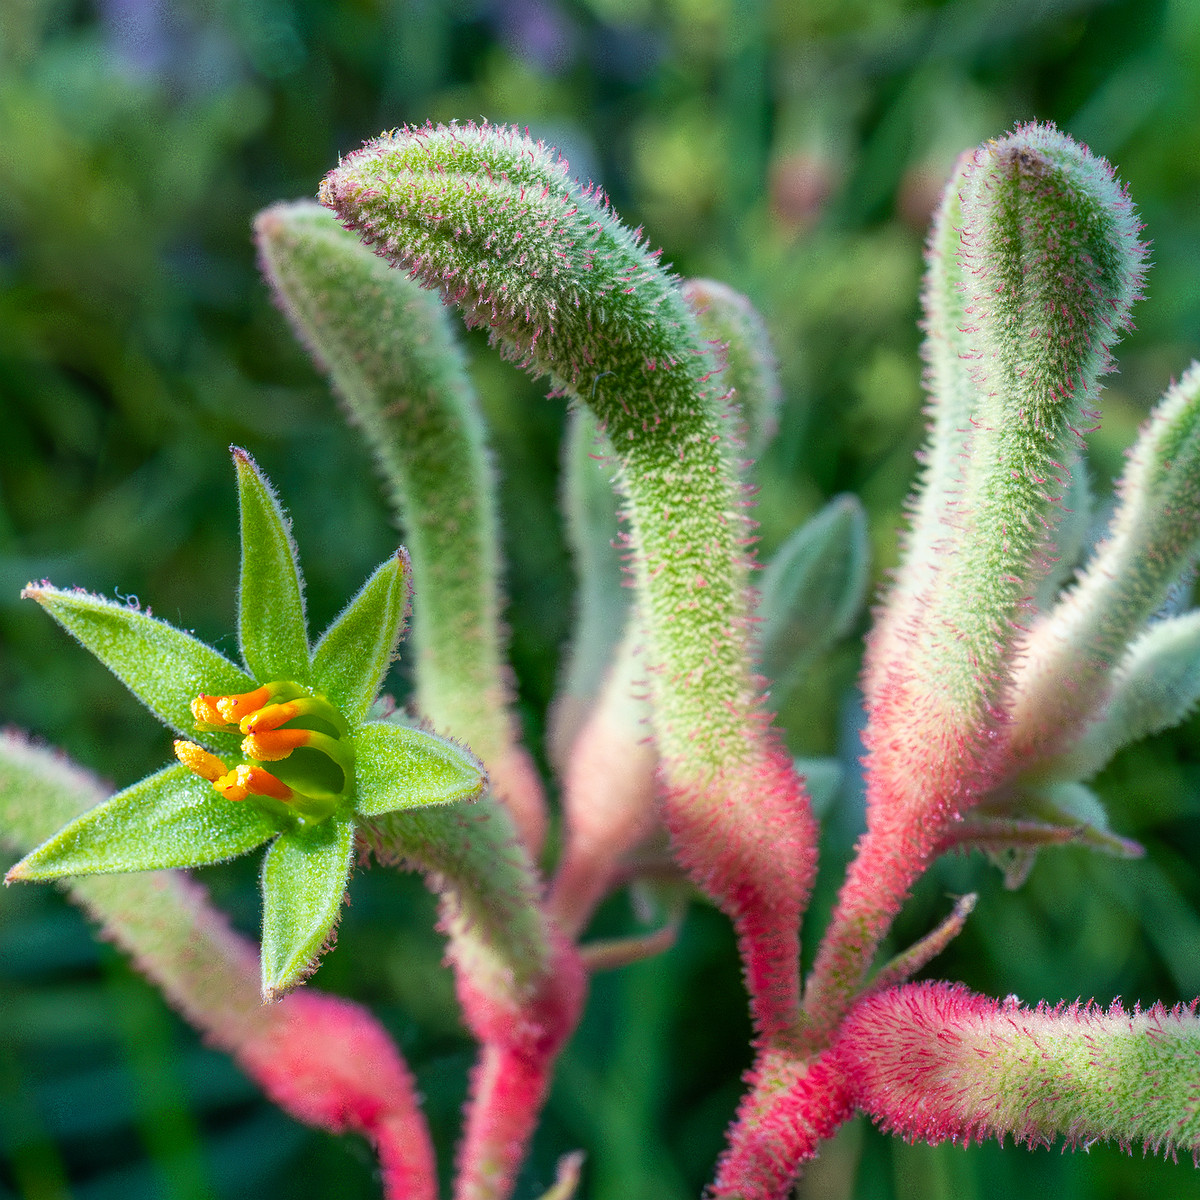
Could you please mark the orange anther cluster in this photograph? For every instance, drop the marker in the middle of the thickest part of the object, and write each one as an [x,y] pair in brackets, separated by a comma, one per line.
[223,711]
[270,745]
[270,717]
[260,715]
[247,780]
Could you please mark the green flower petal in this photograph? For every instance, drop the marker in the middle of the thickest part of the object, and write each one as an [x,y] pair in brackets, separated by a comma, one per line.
[271,625]
[813,589]
[354,653]
[397,767]
[162,666]
[171,819]
[303,883]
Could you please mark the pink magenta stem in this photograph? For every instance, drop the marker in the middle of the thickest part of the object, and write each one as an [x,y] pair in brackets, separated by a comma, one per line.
[923,772]
[759,867]
[327,1062]
[519,1044]
[790,1109]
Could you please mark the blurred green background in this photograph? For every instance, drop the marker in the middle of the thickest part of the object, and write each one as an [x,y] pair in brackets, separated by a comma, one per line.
[793,149]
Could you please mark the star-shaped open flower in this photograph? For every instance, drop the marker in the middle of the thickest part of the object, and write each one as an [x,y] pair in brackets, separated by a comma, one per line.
[282,750]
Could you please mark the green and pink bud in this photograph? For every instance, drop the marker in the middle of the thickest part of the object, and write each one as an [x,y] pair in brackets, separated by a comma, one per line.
[1085,641]
[936,1062]
[1034,263]
[491,219]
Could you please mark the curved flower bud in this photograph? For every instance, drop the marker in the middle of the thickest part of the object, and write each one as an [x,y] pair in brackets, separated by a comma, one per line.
[937,1062]
[491,219]
[1072,656]
[1034,263]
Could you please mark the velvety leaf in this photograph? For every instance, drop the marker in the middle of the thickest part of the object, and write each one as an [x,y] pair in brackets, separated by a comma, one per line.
[1074,806]
[271,625]
[823,780]
[162,666]
[1155,687]
[303,884]
[397,767]
[813,588]
[171,819]
[353,655]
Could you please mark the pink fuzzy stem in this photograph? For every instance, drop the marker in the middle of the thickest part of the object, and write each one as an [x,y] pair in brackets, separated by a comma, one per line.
[749,840]
[508,1087]
[328,1063]
[520,1041]
[791,1108]
[608,807]
[923,773]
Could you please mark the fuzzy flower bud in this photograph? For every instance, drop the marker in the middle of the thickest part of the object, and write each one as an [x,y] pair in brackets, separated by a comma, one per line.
[936,1062]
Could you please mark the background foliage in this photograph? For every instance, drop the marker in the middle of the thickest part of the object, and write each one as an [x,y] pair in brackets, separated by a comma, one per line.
[793,150]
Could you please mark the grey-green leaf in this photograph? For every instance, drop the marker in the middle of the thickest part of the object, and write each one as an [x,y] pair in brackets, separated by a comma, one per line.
[303,884]
[1155,687]
[171,819]
[397,767]
[352,657]
[271,624]
[162,666]
[1075,806]
[813,589]
[823,780]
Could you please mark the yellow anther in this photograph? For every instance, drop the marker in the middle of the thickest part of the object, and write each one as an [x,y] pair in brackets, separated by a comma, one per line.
[205,714]
[199,761]
[314,786]
[246,781]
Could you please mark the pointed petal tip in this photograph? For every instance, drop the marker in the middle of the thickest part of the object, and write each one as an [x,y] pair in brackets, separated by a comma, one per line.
[272,993]
[40,592]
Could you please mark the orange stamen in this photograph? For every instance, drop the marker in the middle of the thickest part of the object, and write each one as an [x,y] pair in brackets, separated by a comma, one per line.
[270,745]
[246,781]
[234,708]
[270,717]
[199,761]
[204,711]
